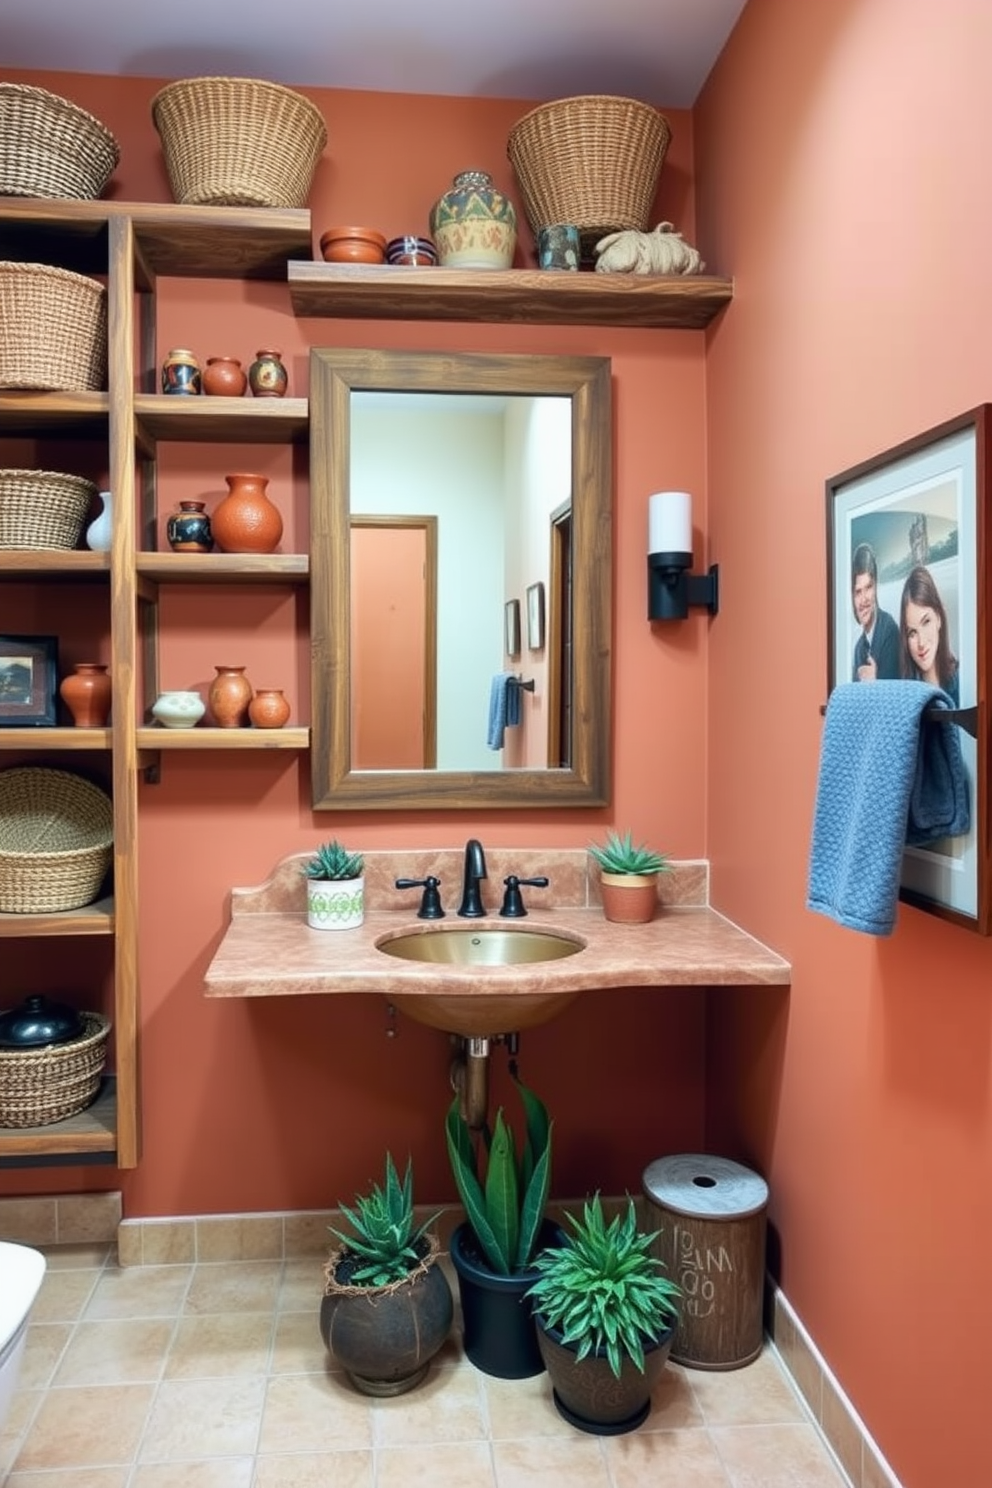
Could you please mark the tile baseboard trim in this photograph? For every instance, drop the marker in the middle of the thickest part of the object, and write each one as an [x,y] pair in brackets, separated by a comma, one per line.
[841,1426]
[62,1219]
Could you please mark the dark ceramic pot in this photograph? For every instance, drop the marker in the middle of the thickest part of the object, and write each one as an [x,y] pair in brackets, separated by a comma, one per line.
[498,1329]
[589,1395]
[385,1337]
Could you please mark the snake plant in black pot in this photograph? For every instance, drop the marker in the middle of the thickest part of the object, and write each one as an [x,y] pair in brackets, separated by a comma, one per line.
[504,1193]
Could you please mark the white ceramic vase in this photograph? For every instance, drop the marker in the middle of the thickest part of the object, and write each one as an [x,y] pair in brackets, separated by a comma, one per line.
[335,904]
[179,709]
[100,531]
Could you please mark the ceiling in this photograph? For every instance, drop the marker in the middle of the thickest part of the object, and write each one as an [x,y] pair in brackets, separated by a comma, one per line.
[657,50]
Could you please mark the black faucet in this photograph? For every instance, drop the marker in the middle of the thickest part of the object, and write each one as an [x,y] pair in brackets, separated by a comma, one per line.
[475,871]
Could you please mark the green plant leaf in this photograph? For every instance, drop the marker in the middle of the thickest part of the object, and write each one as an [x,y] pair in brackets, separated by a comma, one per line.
[502,1194]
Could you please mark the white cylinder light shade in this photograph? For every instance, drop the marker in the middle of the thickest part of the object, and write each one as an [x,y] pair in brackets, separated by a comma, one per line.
[670,522]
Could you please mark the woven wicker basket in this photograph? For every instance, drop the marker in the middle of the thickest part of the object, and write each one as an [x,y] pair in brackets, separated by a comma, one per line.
[592,161]
[54,329]
[238,142]
[39,1086]
[51,147]
[43,508]
[56,840]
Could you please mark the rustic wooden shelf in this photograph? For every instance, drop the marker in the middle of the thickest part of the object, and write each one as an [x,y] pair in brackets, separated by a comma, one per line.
[92,919]
[224,568]
[30,414]
[534,296]
[55,565]
[157,737]
[220,420]
[90,1136]
[49,739]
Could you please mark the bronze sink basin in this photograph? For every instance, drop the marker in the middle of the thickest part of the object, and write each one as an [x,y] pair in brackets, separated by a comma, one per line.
[522,999]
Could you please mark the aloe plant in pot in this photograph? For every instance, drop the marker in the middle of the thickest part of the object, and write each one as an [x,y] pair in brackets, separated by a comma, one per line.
[628,877]
[387,1306]
[606,1316]
[335,888]
[505,1195]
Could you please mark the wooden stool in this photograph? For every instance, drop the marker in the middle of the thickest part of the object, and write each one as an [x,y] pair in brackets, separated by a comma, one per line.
[712,1243]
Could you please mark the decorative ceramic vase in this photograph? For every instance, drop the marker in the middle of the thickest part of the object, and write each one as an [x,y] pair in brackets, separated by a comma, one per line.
[224,377]
[181,373]
[178,709]
[86,693]
[267,377]
[629,898]
[246,520]
[335,903]
[188,530]
[473,225]
[100,531]
[228,698]
[268,709]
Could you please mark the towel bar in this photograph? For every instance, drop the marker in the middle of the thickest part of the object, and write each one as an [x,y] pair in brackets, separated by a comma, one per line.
[966,718]
[524,686]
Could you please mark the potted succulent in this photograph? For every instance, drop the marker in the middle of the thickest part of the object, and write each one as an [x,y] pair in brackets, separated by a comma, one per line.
[504,1194]
[335,888]
[387,1306]
[606,1316]
[629,878]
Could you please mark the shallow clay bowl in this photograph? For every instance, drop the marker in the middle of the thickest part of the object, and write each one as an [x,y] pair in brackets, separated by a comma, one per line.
[353,245]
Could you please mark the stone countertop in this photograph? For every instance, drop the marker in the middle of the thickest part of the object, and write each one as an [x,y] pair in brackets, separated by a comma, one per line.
[269,950]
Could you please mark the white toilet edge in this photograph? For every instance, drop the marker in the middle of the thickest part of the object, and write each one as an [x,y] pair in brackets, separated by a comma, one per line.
[22,1270]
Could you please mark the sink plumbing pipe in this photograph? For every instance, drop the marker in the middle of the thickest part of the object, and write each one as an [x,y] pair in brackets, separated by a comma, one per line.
[470,1075]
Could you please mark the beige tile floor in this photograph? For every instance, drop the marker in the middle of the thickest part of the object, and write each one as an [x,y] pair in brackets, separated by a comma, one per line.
[214,1376]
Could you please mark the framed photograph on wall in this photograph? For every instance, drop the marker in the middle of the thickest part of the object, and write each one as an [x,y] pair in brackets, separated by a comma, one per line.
[28,677]
[908,583]
[511,627]
[535,617]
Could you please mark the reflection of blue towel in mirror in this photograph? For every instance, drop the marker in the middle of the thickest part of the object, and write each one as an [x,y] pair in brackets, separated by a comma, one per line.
[504,707]
[887,778]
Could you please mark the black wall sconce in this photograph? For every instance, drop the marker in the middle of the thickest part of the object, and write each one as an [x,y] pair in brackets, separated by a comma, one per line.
[671,587]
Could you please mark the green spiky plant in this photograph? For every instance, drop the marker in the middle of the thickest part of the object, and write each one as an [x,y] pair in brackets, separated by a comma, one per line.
[603,1289]
[620,855]
[505,1206]
[332,861]
[384,1241]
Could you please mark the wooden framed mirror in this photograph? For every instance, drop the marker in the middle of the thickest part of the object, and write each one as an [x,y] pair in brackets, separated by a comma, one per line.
[509,458]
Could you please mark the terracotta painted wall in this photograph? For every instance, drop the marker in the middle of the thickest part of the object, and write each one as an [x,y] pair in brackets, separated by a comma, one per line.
[842,168]
[290,1104]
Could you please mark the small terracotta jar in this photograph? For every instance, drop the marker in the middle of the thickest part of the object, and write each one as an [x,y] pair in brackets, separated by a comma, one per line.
[229,696]
[267,377]
[181,373]
[246,521]
[224,377]
[86,693]
[188,530]
[268,709]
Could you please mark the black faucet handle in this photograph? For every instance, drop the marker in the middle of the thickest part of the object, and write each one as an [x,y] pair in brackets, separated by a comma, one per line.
[513,902]
[430,904]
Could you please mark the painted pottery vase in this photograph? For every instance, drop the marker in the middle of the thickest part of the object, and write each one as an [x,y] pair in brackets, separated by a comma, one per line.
[188,530]
[335,903]
[181,373]
[268,708]
[246,521]
[229,696]
[473,225]
[178,709]
[224,377]
[99,533]
[86,693]
[267,377]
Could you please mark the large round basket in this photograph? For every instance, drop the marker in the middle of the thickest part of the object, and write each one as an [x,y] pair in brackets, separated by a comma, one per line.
[238,142]
[593,161]
[39,1086]
[43,508]
[56,840]
[54,329]
[50,147]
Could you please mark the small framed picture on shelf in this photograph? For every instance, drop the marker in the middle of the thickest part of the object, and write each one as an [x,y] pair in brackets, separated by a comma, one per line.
[535,617]
[28,677]
[511,627]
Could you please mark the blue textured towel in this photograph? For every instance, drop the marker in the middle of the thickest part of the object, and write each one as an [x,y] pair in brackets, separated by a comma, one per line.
[886,779]
[504,707]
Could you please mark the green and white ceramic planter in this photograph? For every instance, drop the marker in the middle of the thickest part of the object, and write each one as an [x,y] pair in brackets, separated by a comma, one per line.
[335,904]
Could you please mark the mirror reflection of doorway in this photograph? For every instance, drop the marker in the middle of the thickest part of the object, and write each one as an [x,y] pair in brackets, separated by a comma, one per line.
[394,642]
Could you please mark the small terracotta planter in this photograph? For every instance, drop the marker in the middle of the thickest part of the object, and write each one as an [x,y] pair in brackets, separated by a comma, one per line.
[629,898]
